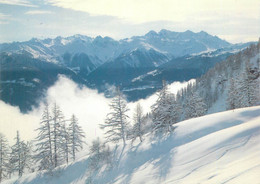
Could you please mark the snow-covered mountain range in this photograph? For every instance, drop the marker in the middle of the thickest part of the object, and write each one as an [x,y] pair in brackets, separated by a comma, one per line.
[102,61]
[102,49]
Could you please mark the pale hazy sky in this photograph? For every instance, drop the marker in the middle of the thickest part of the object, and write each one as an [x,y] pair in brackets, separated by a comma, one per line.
[232,20]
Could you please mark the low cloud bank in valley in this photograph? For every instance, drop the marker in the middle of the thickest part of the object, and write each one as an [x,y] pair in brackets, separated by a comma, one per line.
[11,120]
[149,101]
[88,105]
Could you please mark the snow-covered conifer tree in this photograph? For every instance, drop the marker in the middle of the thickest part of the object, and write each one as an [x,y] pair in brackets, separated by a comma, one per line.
[10,167]
[99,154]
[249,88]
[20,155]
[58,119]
[163,111]
[76,136]
[138,128]
[95,152]
[195,106]
[232,95]
[116,122]
[174,109]
[65,141]
[4,157]
[44,152]
[27,156]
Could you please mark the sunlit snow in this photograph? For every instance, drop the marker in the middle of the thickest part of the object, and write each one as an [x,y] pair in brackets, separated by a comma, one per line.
[218,148]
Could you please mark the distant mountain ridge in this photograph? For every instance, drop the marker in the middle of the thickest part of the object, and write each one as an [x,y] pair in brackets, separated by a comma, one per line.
[70,51]
[171,43]
[101,61]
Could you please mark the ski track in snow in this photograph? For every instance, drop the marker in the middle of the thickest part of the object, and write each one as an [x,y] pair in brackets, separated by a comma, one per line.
[241,173]
[208,154]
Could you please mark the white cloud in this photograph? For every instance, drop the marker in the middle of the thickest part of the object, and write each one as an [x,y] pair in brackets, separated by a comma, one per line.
[17,3]
[12,120]
[140,11]
[237,21]
[4,18]
[3,22]
[149,101]
[88,105]
[37,12]
[233,20]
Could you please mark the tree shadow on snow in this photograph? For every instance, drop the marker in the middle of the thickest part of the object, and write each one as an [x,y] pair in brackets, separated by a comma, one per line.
[158,155]
[161,153]
[65,175]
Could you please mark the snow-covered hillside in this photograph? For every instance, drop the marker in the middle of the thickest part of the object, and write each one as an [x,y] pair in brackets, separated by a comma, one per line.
[218,148]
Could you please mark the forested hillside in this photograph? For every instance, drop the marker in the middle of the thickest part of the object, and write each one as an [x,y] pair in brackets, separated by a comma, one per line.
[232,83]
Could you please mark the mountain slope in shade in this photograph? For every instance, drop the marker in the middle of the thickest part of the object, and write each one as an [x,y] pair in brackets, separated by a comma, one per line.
[24,80]
[178,69]
[125,67]
[218,148]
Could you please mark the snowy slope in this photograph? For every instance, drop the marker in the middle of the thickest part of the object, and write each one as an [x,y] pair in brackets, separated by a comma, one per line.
[218,148]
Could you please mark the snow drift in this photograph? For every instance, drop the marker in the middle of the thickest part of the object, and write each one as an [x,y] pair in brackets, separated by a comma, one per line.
[217,148]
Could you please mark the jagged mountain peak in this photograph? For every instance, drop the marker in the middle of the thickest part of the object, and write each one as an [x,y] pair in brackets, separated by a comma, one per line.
[203,33]
[151,33]
[79,36]
[106,39]
[34,40]
[167,33]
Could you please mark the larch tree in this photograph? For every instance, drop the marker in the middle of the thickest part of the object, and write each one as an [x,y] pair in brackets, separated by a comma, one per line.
[116,123]
[95,152]
[65,142]
[20,155]
[249,88]
[100,154]
[162,111]
[4,157]
[28,160]
[44,147]
[76,136]
[138,128]
[58,119]
[195,106]
[232,95]
[174,109]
